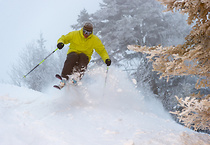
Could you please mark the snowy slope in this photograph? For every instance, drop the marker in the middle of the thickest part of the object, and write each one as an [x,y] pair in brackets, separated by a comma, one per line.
[89,114]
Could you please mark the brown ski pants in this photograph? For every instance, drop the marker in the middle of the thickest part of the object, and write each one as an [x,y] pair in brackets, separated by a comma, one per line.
[75,63]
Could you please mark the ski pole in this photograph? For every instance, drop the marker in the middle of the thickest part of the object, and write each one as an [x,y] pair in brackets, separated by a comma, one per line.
[105,80]
[40,63]
[106,75]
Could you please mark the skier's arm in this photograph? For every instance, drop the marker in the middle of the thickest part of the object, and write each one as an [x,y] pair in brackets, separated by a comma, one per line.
[100,49]
[65,39]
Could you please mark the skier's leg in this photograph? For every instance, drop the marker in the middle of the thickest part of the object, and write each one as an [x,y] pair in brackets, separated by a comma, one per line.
[82,64]
[71,60]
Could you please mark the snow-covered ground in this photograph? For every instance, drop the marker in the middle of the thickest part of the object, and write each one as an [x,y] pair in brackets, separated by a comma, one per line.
[91,113]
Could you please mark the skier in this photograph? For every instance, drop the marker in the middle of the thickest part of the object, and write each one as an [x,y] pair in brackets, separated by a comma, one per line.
[82,44]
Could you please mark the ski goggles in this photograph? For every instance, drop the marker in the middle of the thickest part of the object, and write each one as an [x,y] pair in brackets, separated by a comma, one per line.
[86,32]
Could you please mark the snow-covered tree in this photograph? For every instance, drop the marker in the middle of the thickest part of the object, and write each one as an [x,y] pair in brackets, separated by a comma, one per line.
[195,112]
[123,22]
[32,55]
[190,58]
[82,18]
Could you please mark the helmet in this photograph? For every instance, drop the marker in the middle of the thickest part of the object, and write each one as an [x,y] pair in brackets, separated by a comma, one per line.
[88,26]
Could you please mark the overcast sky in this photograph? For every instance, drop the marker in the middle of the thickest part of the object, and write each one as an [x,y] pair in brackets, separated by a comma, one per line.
[22,21]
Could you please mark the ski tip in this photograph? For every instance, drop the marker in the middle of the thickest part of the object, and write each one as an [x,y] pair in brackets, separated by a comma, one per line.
[58,76]
[57,87]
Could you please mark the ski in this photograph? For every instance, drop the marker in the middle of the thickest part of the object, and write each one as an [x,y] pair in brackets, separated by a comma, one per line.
[59,86]
[58,76]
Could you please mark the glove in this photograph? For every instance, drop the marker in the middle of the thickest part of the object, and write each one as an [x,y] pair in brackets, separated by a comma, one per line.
[60,45]
[108,62]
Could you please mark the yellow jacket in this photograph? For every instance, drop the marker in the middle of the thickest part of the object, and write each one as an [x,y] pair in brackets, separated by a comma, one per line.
[80,44]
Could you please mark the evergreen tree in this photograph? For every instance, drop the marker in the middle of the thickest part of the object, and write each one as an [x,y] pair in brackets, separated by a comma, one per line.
[121,22]
[190,58]
[124,22]
[33,54]
[82,18]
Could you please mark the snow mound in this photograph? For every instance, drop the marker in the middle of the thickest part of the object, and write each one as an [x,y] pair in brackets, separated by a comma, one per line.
[92,113]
